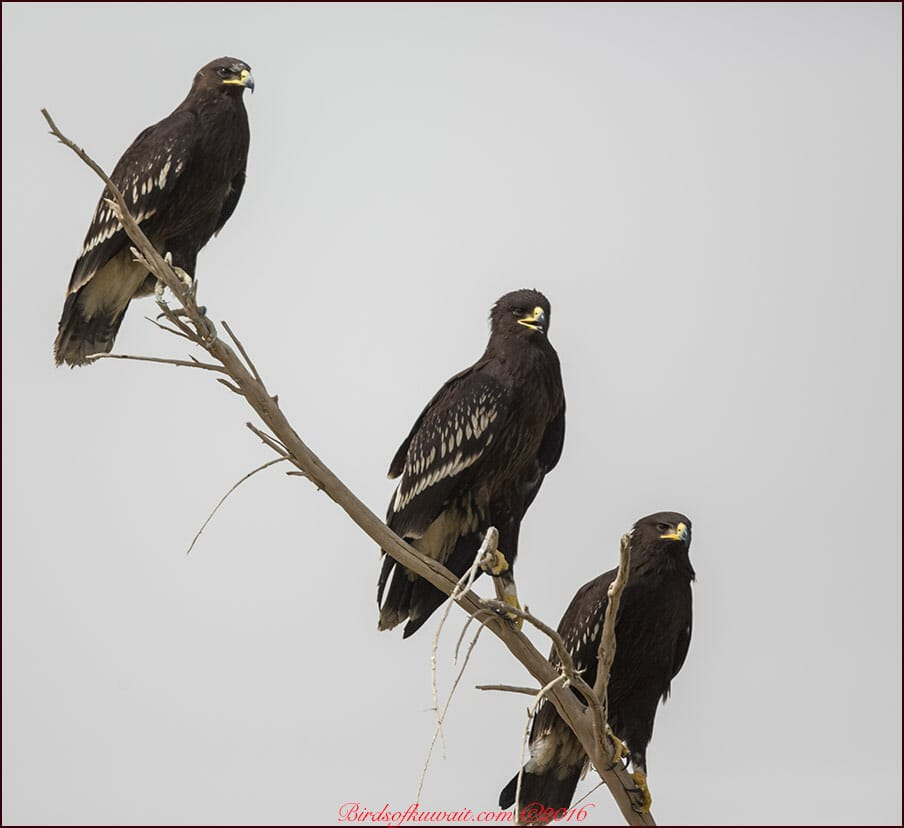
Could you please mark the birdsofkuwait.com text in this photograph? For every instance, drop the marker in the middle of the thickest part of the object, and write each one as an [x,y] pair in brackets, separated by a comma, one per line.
[357,813]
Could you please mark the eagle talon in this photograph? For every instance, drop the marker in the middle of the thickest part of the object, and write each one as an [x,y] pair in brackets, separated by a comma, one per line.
[186,280]
[183,276]
[642,791]
[495,563]
[209,336]
[619,748]
[515,620]
[212,335]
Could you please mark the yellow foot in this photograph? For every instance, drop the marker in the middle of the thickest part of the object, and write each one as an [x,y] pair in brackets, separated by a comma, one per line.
[494,563]
[619,748]
[640,779]
[515,620]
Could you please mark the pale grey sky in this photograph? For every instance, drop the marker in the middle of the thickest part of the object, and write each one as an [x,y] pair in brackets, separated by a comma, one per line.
[709,195]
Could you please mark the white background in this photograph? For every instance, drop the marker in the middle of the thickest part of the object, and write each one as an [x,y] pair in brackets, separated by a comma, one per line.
[709,195]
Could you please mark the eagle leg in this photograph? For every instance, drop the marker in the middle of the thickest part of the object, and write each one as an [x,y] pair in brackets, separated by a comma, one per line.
[504,582]
[192,284]
[642,792]
[183,276]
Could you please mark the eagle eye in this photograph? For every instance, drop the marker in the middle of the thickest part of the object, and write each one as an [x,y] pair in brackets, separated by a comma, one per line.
[662,527]
[224,72]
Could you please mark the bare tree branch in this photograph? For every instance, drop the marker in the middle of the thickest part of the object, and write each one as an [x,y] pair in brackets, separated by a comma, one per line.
[223,498]
[234,388]
[278,447]
[442,715]
[242,351]
[507,688]
[173,331]
[160,360]
[606,652]
[578,716]
[487,549]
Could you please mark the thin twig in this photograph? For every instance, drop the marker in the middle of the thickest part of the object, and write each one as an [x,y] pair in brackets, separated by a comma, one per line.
[438,729]
[278,447]
[461,637]
[181,363]
[181,328]
[565,660]
[561,650]
[487,548]
[166,328]
[234,388]
[507,688]
[464,584]
[195,336]
[223,498]
[586,795]
[242,350]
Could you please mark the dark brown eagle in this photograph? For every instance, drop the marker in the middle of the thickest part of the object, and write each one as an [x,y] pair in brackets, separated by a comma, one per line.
[476,457]
[181,178]
[652,635]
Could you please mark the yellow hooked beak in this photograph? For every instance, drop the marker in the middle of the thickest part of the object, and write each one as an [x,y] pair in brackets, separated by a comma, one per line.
[245,79]
[680,533]
[536,320]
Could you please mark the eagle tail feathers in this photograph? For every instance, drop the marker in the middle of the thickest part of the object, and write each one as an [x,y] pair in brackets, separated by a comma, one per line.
[80,336]
[396,607]
[542,794]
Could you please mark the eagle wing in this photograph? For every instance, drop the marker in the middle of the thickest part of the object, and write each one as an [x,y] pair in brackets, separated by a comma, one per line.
[553,440]
[580,628]
[146,175]
[446,443]
[232,199]
[681,647]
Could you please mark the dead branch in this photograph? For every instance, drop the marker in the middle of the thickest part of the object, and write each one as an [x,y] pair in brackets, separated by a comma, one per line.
[487,549]
[173,331]
[278,447]
[442,715]
[580,717]
[507,688]
[222,500]
[242,351]
[160,360]
[606,652]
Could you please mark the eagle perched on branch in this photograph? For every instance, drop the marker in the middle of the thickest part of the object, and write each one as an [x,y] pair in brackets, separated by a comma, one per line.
[181,178]
[652,635]
[475,458]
